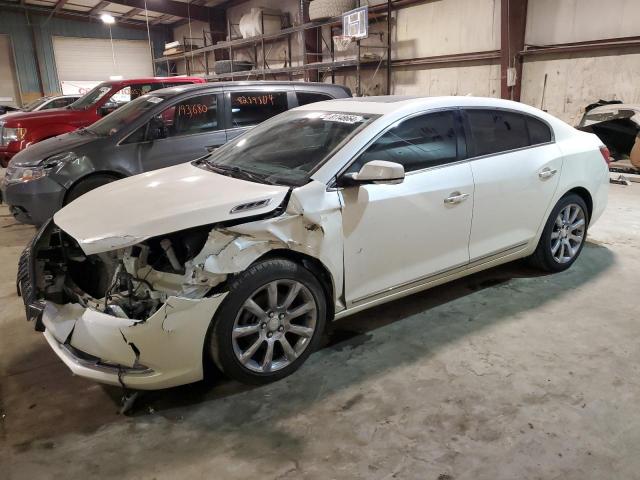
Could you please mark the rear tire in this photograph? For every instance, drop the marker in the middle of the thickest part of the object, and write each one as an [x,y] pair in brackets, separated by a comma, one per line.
[269,323]
[86,185]
[563,236]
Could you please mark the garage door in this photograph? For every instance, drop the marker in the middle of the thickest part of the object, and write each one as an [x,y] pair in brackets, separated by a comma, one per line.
[8,86]
[90,59]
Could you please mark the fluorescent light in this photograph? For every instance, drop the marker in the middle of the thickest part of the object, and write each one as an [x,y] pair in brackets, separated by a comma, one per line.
[115,77]
[108,19]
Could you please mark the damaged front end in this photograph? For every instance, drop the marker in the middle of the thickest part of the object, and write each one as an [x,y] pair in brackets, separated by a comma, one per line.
[137,314]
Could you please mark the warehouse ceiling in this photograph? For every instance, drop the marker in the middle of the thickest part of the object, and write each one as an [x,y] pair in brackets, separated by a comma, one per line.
[159,12]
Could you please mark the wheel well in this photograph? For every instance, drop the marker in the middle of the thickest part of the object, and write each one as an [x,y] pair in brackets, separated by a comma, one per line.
[585,195]
[114,175]
[315,266]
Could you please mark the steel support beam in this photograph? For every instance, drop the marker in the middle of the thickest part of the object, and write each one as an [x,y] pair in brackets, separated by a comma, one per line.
[59,5]
[513,21]
[312,44]
[132,13]
[457,58]
[582,47]
[171,7]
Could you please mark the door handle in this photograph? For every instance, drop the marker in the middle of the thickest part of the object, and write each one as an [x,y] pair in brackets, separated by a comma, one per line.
[547,173]
[456,197]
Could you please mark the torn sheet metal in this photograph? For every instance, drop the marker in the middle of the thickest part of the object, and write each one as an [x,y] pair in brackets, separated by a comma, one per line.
[311,225]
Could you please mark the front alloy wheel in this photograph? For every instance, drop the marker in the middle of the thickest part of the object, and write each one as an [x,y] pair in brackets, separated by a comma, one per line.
[269,323]
[274,326]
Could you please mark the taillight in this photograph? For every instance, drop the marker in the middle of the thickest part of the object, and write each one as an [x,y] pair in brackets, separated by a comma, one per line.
[606,154]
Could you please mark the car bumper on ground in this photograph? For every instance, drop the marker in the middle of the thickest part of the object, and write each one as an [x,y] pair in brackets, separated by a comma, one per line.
[33,202]
[163,351]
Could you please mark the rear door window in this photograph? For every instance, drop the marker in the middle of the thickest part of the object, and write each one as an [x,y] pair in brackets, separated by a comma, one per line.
[495,131]
[251,108]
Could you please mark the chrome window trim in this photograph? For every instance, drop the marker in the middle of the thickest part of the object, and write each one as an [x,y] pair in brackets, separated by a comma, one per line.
[332,186]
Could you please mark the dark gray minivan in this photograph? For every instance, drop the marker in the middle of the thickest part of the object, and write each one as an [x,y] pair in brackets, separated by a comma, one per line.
[160,129]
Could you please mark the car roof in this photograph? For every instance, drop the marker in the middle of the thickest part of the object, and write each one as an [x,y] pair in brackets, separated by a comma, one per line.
[385,104]
[135,81]
[254,83]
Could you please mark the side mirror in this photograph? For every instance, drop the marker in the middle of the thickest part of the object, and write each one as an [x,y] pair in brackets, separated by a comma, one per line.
[376,171]
[107,108]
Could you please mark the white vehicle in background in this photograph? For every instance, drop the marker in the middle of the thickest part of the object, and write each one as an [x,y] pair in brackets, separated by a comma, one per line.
[47,103]
[240,258]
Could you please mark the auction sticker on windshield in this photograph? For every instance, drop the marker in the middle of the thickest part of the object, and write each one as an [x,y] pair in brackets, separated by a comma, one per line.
[342,118]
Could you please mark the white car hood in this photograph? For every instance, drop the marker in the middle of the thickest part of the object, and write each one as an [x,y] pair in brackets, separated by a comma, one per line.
[131,210]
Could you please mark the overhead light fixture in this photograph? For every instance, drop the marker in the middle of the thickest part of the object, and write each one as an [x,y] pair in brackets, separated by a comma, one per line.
[108,19]
[116,77]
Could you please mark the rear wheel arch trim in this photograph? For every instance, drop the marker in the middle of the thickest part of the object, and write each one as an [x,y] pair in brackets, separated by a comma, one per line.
[585,195]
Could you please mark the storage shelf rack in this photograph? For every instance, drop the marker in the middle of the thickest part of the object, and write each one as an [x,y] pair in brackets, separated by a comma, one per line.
[197,59]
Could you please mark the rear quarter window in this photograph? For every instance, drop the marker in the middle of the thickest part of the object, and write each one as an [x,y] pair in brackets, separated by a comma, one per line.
[539,132]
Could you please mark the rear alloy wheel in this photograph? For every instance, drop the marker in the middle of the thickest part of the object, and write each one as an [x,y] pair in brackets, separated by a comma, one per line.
[568,233]
[270,322]
[563,236]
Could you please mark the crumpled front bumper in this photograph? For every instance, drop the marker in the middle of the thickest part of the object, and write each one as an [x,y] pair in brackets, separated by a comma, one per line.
[163,351]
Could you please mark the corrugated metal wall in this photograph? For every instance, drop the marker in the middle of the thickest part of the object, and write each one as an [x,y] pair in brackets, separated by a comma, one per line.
[24,28]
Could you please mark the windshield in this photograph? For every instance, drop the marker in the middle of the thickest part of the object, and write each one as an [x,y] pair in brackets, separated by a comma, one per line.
[91,97]
[287,148]
[36,103]
[126,114]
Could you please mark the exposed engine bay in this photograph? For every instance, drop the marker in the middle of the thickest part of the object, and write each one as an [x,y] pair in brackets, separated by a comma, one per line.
[132,282]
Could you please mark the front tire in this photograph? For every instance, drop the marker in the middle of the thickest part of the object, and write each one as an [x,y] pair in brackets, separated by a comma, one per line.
[563,236]
[86,185]
[269,323]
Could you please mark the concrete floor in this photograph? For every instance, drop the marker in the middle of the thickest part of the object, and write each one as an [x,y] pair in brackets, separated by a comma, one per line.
[502,375]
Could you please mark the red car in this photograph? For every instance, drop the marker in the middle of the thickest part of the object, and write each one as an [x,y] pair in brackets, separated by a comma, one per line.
[21,129]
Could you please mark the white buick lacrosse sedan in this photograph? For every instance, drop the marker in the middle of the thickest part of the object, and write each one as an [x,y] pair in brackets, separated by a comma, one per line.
[239,259]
